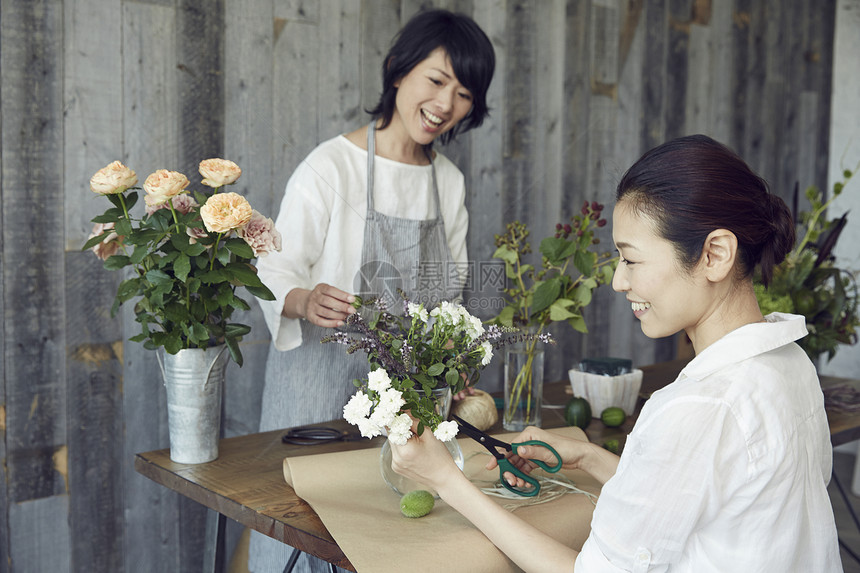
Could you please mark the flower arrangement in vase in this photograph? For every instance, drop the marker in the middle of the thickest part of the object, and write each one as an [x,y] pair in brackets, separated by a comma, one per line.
[808,282]
[558,291]
[188,253]
[413,356]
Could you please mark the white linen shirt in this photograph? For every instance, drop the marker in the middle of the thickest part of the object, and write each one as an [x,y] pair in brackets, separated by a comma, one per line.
[726,468]
[322,218]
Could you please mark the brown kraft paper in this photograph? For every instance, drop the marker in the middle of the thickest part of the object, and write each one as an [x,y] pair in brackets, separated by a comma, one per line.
[362,513]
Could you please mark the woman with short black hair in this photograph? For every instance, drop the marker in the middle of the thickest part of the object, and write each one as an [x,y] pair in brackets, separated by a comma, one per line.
[371,212]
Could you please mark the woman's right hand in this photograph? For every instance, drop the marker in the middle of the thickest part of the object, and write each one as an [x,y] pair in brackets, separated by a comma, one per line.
[325,305]
[576,454]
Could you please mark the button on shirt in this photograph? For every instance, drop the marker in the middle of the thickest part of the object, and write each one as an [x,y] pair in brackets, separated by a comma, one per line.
[726,468]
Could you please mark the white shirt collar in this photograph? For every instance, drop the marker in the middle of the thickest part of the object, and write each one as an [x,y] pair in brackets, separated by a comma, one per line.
[745,342]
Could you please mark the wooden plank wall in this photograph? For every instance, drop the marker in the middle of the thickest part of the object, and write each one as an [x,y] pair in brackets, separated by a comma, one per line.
[582,88]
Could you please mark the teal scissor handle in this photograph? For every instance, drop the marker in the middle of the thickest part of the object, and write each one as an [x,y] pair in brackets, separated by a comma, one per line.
[506,466]
[543,465]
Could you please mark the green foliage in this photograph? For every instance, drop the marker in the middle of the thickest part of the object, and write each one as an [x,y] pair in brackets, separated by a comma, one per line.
[809,283]
[185,288]
[570,271]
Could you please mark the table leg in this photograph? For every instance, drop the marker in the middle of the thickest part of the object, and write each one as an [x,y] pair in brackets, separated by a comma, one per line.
[291,562]
[850,508]
[213,555]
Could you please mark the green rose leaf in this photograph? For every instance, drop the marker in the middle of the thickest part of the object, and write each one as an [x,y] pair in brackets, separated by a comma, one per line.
[235,330]
[182,266]
[240,248]
[235,351]
[262,292]
[243,273]
[95,241]
[109,216]
[116,262]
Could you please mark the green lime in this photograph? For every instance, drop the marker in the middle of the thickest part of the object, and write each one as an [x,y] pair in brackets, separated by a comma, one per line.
[611,445]
[417,503]
[577,412]
[613,416]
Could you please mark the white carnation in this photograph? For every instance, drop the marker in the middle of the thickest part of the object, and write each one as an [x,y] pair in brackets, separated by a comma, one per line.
[400,429]
[417,310]
[358,408]
[378,380]
[369,428]
[446,431]
[391,399]
[382,416]
[488,353]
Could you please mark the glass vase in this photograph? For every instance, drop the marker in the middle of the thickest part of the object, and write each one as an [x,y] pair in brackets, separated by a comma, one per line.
[523,385]
[401,485]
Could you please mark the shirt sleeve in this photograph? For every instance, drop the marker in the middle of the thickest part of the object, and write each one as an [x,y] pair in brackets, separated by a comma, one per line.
[303,221]
[454,214]
[674,475]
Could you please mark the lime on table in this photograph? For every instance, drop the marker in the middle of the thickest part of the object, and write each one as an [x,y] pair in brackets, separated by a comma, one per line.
[577,412]
[417,503]
[613,416]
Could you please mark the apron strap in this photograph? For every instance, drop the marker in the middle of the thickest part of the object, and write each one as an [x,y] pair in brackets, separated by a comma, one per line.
[371,153]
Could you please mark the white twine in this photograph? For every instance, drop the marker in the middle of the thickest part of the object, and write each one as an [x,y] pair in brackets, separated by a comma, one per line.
[550,488]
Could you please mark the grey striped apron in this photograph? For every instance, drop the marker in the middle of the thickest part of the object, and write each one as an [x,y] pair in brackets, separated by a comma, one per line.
[313,382]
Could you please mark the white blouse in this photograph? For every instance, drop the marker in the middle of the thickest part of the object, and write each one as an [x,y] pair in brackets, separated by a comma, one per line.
[726,468]
[322,221]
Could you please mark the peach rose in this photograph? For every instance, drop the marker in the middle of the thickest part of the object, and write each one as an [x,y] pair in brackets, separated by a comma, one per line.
[224,212]
[219,172]
[261,235]
[163,185]
[112,179]
[109,245]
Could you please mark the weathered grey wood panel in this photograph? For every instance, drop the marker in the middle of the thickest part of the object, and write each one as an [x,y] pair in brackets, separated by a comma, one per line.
[582,88]
[35,451]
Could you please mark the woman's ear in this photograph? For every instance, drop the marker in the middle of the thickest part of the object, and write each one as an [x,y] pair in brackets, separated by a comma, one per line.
[719,254]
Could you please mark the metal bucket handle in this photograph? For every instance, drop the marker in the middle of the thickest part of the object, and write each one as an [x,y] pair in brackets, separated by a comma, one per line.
[208,370]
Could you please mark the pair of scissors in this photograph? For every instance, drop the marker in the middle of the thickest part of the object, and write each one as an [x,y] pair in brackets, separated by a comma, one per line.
[313,435]
[493,445]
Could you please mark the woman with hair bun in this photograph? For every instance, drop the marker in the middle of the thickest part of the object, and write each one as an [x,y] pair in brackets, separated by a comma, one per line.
[726,468]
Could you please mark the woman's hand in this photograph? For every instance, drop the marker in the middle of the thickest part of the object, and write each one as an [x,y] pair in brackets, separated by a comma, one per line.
[576,454]
[325,305]
[424,459]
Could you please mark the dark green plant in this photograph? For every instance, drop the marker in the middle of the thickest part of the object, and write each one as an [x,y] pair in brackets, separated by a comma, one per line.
[809,283]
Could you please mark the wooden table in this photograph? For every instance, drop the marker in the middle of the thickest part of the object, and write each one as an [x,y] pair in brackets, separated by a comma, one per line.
[247,485]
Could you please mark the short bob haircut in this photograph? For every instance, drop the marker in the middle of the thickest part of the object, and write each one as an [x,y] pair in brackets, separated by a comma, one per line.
[472,57]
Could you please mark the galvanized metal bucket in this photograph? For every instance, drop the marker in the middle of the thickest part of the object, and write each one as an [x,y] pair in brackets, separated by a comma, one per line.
[194,380]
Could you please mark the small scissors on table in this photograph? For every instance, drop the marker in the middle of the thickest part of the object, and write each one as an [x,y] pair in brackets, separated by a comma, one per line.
[492,444]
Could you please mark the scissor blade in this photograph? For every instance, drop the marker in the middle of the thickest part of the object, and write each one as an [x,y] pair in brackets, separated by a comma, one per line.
[483,438]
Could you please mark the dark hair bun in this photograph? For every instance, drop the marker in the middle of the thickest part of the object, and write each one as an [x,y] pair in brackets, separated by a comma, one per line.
[782,235]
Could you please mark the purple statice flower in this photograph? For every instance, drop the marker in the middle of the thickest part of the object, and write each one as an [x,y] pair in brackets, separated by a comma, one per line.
[337,338]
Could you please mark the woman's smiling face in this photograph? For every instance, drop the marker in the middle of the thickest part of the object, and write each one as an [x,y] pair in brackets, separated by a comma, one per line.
[665,298]
[430,98]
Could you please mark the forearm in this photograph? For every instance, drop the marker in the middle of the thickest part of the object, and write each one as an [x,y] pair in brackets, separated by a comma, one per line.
[295,303]
[599,463]
[529,548]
